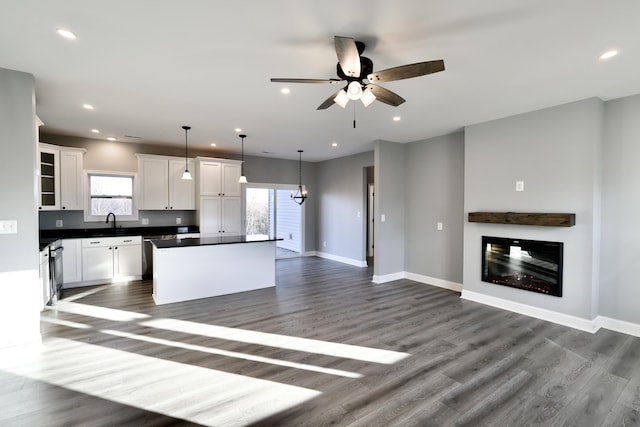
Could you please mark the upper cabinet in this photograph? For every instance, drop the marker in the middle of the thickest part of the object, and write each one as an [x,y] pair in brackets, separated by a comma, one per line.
[60,183]
[218,177]
[161,183]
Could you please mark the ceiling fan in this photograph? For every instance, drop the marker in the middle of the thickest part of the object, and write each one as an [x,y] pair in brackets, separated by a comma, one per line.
[357,71]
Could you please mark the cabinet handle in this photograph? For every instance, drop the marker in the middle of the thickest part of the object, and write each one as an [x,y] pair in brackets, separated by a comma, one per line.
[165,207]
[64,207]
[116,248]
[40,207]
[170,207]
[95,243]
[126,241]
[110,248]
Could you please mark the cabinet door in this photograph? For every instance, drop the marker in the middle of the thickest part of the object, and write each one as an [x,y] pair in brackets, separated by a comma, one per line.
[71,180]
[72,260]
[182,192]
[154,184]
[230,176]
[97,262]
[231,222]
[210,220]
[209,178]
[49,182]
[128,261]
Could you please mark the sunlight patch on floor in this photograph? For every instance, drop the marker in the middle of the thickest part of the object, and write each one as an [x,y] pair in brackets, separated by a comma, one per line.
[97,311]
[183,391]
[233,354]
[347,351]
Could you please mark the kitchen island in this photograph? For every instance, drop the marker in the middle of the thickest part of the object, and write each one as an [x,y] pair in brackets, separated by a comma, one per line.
[193,268]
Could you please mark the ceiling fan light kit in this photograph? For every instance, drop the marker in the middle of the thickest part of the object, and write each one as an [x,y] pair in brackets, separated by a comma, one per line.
[354,69]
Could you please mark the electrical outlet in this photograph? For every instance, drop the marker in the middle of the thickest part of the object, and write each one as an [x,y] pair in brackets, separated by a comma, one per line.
[178,221]
[145,221]
[59,223]
[383,218]
[358,214]
[439,226]
[519,185]
[324,244]
[8,227]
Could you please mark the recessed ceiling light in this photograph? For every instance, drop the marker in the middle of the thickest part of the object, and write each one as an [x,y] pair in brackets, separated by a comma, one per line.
[111,138]
[396,119]
[88,107]
[609,54]
[335,144]
[213,144]
[285,90]
[95,131]
[238,130]
[66,34]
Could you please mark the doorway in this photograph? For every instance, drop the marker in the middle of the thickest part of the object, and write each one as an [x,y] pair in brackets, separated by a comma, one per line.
[270,212]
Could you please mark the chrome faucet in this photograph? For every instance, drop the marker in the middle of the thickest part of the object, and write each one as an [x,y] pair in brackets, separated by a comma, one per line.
[114,219]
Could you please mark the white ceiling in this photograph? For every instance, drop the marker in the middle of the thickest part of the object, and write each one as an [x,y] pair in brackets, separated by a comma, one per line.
[151,66]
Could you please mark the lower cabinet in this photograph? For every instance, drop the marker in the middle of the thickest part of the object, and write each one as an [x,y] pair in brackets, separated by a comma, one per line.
[112,258]
[71,261]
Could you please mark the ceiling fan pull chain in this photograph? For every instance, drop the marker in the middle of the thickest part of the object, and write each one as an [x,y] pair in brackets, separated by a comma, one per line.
[354,115]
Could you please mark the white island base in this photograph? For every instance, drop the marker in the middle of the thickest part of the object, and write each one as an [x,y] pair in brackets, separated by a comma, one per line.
[194,271]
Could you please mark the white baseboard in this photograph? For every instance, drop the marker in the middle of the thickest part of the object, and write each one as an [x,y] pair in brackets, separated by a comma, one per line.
[354,262]
[539,313]
[441,283]
[387,277]
[619,326]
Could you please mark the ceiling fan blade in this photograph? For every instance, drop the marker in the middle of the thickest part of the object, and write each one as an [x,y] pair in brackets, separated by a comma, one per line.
[348,56]
[406,71]
[329,101]
[385,95]
[326,81]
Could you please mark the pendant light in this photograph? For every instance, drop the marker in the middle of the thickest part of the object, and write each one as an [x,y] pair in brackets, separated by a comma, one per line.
[301,195]
[242,179]
[186,174]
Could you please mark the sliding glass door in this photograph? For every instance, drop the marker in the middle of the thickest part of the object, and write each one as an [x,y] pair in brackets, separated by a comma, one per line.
[270,212]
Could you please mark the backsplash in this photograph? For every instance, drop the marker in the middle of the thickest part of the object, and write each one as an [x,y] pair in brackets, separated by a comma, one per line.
[75,219]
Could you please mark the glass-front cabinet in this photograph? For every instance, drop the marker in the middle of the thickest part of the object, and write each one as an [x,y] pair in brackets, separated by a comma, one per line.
[49,182]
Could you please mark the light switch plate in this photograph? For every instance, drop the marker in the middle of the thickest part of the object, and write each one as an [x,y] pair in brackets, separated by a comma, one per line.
[519,185]
[9,227]
[145,221]
[178,221]
[383,218]
[59,223]
[439,226]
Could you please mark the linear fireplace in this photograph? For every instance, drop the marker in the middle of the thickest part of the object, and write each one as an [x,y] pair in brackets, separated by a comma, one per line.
[531,265]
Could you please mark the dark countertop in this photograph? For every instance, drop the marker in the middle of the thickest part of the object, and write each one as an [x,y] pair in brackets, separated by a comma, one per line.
[49,236]
[207,241]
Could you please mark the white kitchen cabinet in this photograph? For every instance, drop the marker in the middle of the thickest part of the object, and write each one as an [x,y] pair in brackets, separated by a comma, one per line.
[71,166]
[217,177]
[219,216]
[49,182]
[71,262]
[161,183]
[60,184]
[182,192]
[109,259]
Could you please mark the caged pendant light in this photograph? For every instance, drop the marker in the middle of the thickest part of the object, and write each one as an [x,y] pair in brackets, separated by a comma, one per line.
[301,195]
[186,175]
[242,179]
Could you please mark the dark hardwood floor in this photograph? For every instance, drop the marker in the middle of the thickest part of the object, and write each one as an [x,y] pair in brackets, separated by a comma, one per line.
[325,347]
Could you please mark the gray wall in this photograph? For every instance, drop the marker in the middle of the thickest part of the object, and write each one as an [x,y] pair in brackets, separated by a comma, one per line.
[340,197]
[18,185]
[390,202]
[557,153]
[19,264]
[620,253]
[434,192]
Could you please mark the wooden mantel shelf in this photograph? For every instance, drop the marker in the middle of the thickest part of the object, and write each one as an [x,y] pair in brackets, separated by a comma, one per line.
[543,219]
